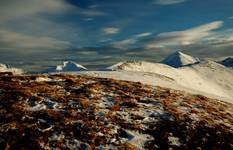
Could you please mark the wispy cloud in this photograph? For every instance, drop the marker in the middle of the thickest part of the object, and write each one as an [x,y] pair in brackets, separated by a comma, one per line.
[27,20]
[88,19]
[105,40]
[15,41]
[168,2]
[222,39]
[185,37]
[94,6]
[127,43]
[13,8]
[143,34]
[111,30]
[124,44]
[90,12]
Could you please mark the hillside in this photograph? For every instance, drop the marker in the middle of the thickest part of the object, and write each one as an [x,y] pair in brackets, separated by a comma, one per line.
[206,77]
[81,112]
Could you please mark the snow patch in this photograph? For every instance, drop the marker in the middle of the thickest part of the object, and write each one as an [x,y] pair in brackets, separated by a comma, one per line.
[138,139]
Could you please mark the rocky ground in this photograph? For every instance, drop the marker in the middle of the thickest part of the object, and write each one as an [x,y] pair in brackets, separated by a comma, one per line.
[81,112]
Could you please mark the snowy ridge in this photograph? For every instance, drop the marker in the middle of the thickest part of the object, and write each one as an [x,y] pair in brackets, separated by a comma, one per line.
[179,59]
[6,68]
[143,66]
[207,77]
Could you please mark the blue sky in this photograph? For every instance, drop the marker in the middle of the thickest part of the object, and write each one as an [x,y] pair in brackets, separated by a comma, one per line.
[96,33]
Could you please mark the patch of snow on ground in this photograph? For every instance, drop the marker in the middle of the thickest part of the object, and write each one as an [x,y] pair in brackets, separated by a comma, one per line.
[43,79]
[138,139]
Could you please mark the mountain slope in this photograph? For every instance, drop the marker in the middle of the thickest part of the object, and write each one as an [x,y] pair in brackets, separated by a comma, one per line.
[207,77]
[179,59]
[143,66]
[67,66]
[216,73]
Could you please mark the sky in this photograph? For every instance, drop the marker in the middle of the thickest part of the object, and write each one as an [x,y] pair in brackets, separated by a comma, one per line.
[35,34]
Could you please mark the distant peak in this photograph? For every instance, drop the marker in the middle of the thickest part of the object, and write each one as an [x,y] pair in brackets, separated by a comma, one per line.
[66,66]
[180,59]
[70,66]
[179,53]
[228,62]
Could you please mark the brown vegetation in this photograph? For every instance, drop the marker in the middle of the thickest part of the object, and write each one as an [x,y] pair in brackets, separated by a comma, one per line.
[80,112]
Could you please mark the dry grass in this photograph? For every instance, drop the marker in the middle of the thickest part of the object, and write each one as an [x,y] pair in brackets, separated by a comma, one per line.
[66,112]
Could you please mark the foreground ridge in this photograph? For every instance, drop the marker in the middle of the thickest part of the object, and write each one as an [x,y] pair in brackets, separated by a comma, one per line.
[81,112]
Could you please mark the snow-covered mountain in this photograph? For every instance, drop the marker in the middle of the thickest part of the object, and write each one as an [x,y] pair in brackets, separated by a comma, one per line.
[7,68]
[206,77]
[142,66]
[228,62]
[67,66]
[179,59]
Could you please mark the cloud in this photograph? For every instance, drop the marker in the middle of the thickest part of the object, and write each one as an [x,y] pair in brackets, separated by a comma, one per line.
[222,39]
[91,12]
[124,44]
[168,2]
[127,43]
[185,37]
[143,34]
[105,40]
[111,30]
[11,9]
[94,6]
[88,19]
[43,19]
[15,40]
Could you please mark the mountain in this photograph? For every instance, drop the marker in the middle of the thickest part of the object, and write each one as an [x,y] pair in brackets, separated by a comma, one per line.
[142,66]
[206,77]
[67,66]
[179,59]
[228,62]
[7,68]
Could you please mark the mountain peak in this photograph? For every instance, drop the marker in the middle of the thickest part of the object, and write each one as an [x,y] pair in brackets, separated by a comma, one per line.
[70,66]
[66,66]
[228,62]
[180,59]
[179,53]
